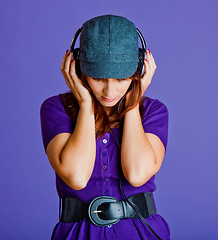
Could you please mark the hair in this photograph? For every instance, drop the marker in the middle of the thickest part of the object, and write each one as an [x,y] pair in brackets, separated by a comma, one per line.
[103,122]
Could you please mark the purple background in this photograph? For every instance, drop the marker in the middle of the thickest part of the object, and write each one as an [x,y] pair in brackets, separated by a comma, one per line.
[182,36]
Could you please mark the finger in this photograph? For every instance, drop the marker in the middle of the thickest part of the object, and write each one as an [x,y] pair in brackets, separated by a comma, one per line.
[149,57]
[67,65]
[145,80]
[151,60]
[144,70]
[73,70]
[147,67]
[63,61]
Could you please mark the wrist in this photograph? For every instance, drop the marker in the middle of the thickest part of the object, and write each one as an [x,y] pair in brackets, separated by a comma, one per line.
[87,107]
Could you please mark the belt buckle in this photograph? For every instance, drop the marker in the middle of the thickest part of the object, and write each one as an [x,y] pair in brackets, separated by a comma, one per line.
[93,211]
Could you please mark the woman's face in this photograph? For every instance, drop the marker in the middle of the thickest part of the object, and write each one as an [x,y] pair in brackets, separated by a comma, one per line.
[108,91]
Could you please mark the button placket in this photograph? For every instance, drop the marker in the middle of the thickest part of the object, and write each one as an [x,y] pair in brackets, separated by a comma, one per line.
[105,162]
[106,193]
[104,154]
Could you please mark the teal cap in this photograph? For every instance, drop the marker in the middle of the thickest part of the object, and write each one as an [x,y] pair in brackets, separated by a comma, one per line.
[109,47]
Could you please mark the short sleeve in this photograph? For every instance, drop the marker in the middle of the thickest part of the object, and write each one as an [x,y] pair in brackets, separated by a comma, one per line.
[155,119]
[54,119]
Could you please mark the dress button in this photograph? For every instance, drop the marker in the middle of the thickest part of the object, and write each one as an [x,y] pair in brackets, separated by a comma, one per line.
[106,179]
[104,140]
[104,154]
[104,167]
[106,193]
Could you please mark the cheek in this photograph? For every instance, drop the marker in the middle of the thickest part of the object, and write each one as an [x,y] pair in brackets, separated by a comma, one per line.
[125,87]
[96,87]
[120,91]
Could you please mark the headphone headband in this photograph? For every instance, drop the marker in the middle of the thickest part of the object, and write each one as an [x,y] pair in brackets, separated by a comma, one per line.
[80,29]
[142,39]
[74,39]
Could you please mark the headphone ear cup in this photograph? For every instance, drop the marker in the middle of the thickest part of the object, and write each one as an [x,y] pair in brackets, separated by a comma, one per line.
[75,53]
[141,60]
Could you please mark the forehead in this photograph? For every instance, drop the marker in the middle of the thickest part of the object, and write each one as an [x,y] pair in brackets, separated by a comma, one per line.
[111,78]
[106,79]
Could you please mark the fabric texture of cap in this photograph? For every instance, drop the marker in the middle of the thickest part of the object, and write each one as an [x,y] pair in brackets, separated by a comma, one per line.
[109,47]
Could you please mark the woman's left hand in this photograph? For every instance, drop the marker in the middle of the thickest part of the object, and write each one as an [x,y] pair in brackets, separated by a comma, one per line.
[149,68]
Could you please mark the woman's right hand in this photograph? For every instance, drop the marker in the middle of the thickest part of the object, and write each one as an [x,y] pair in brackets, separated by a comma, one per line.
[72,80]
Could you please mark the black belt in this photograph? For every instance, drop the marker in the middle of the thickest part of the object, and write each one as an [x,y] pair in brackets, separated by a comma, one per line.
[106,210]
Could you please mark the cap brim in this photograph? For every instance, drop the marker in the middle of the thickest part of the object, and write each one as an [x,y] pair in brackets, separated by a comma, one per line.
[109,69]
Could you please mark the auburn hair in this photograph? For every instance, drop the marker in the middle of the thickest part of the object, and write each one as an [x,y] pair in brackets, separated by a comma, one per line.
[103,122]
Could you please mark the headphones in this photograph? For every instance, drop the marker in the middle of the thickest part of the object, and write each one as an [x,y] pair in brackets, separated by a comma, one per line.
[76,52]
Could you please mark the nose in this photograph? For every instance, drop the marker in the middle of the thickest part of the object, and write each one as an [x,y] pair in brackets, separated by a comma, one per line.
[109,89]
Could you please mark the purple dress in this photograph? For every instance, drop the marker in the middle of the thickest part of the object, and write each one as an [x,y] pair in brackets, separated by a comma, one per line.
[104,179]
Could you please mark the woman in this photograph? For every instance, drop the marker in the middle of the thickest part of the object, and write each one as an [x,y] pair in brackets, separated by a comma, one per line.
[104,125]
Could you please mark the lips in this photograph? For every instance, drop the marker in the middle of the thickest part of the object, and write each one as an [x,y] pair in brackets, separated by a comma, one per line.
[108,100]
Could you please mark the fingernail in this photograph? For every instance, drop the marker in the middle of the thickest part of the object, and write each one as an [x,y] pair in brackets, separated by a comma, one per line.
[149,51]
[67,50]
[68,53]
[146,60]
